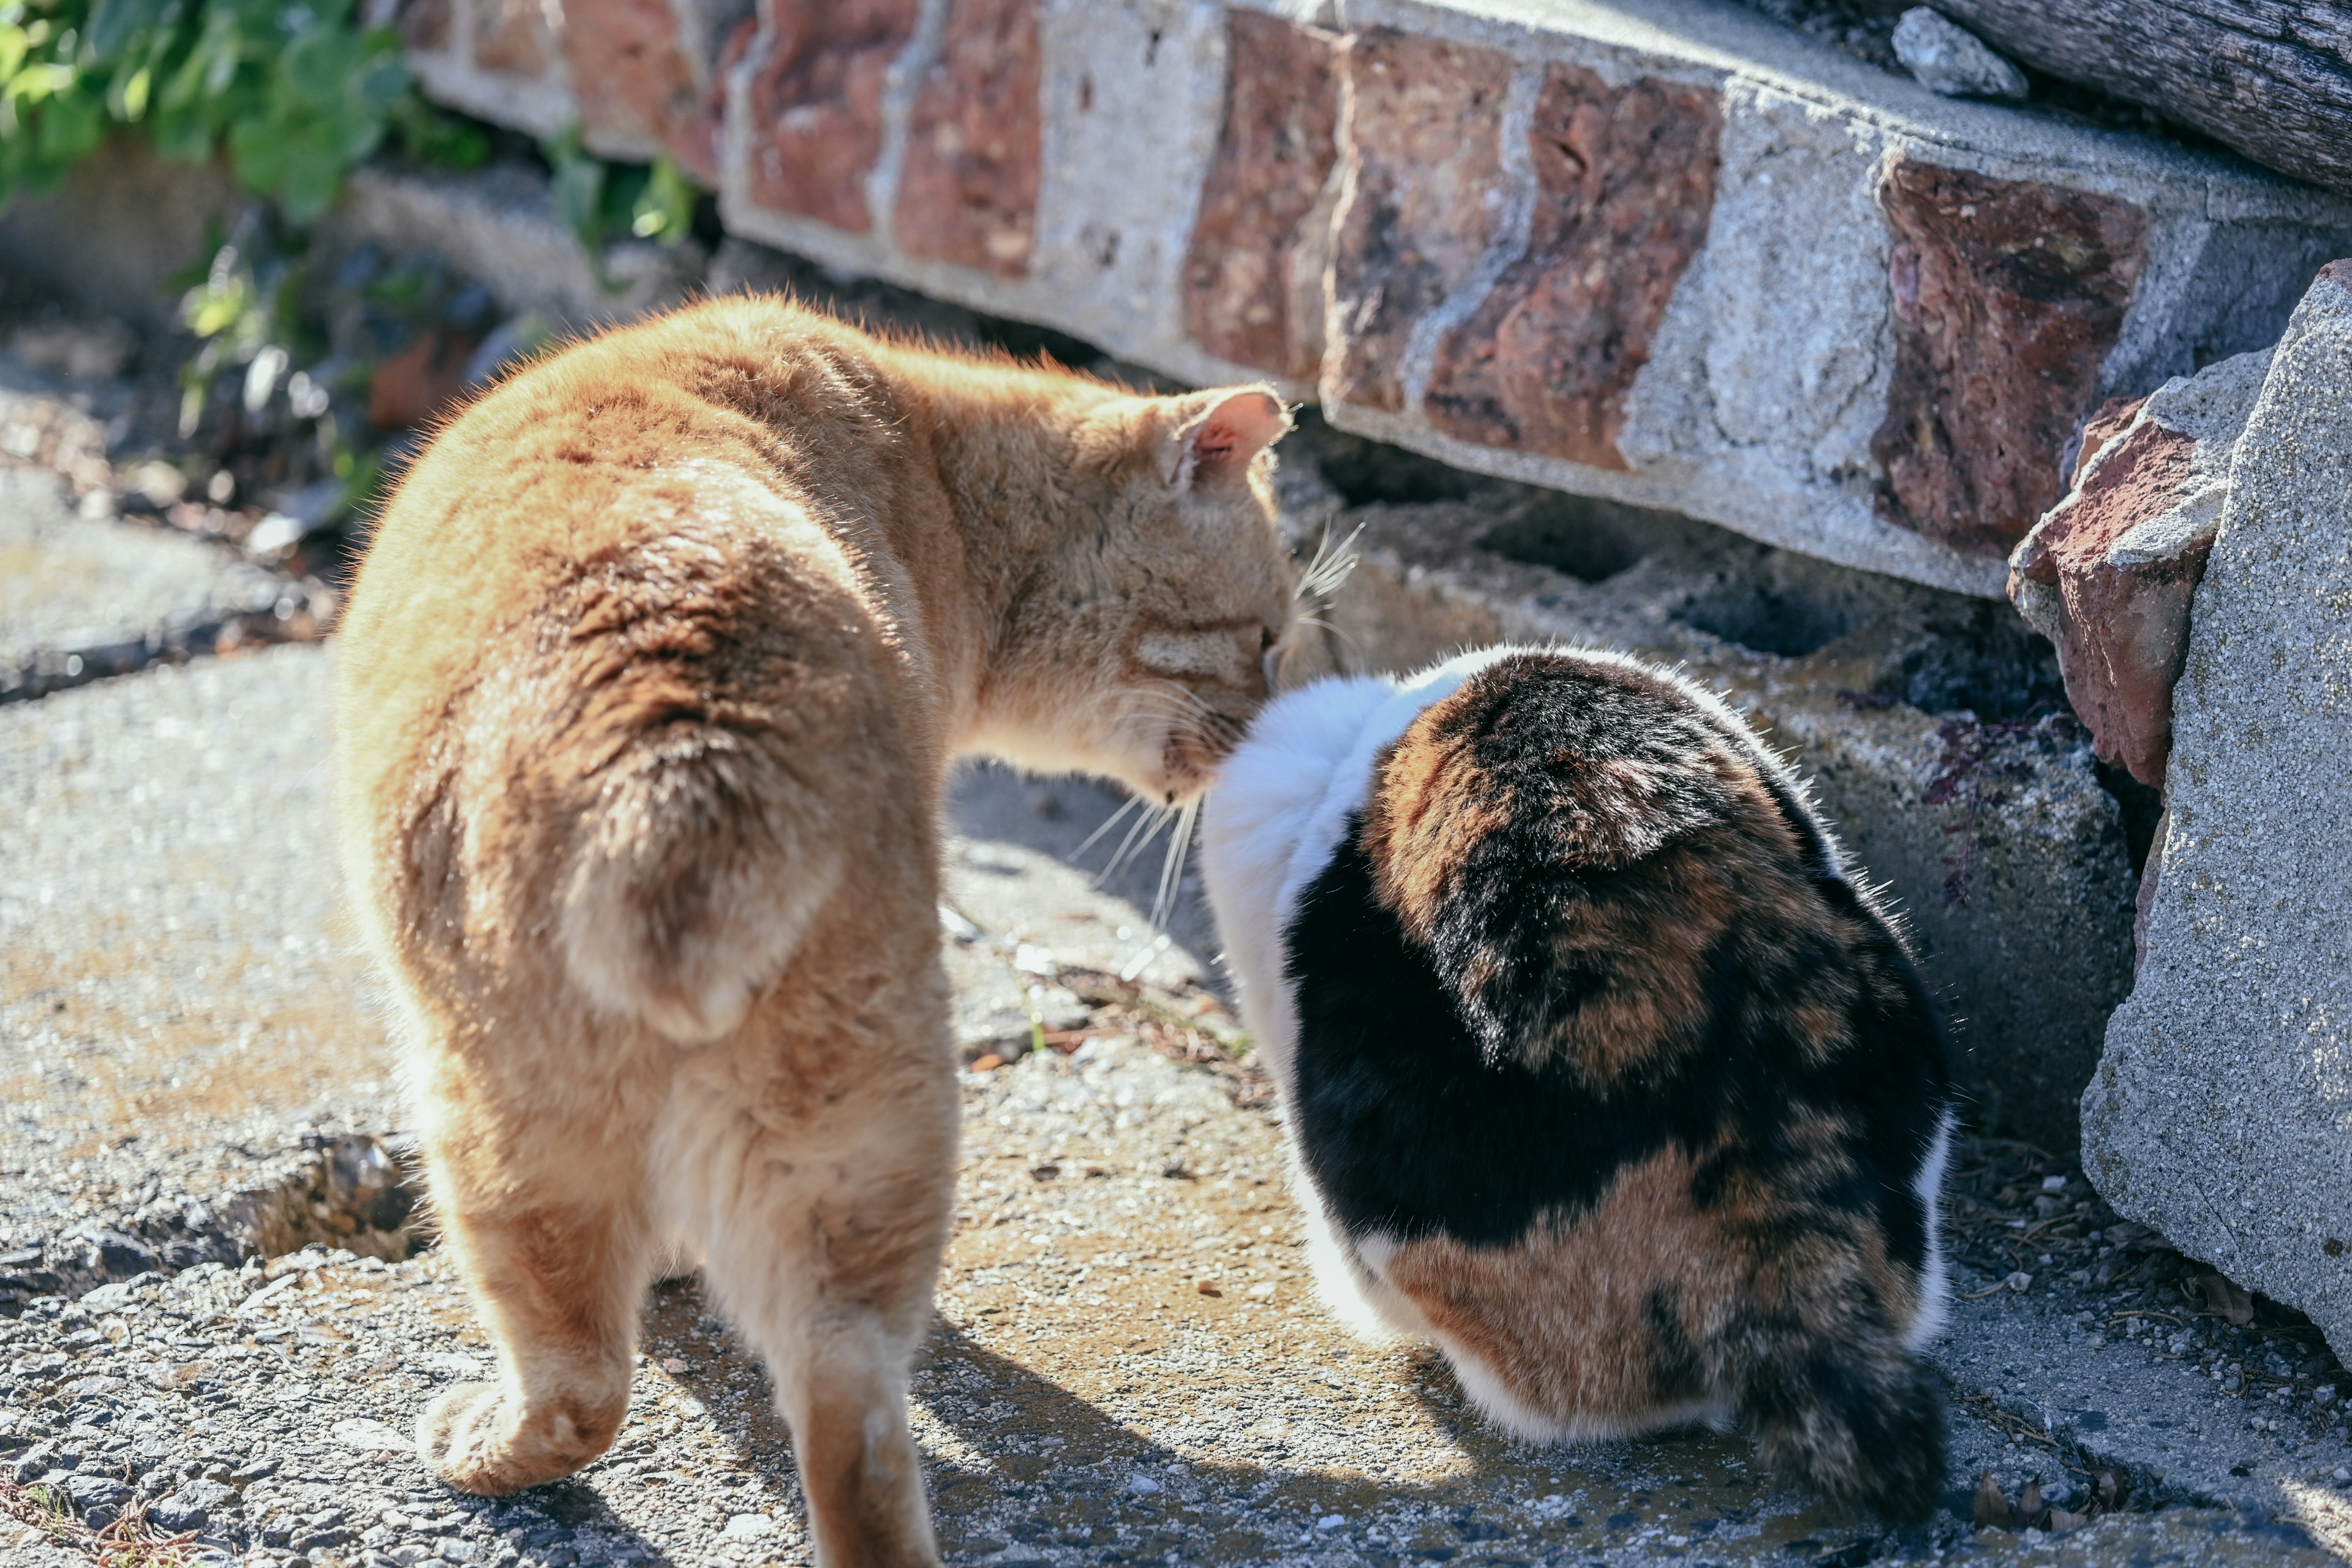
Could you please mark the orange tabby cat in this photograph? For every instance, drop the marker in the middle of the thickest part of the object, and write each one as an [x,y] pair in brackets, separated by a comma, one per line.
[647,692]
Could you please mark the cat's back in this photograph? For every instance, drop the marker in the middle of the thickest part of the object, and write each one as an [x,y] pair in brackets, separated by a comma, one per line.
[1582,917]
[650,565]
[681,425]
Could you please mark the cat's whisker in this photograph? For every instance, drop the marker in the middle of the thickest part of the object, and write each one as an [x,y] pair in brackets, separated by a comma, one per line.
[1330,566]
[1147,827]
[1109,822]
[1171,870]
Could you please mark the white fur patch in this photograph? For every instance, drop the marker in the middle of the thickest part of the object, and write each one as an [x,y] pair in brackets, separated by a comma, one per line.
[1936,1278]
[1282,803]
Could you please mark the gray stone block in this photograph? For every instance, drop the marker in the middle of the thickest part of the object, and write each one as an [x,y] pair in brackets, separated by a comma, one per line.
[2221,1112]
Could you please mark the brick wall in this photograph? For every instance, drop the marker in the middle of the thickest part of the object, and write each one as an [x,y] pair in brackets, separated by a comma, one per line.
[1667,254]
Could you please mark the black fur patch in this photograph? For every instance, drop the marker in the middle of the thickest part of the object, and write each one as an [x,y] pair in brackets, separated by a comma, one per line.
[1417,1117]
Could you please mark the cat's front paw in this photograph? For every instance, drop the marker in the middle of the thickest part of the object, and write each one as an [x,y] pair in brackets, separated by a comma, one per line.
[480,1439]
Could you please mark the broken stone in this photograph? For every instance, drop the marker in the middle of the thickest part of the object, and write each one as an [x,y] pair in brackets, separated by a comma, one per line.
[1426,157]
[816,107]
[2218,1112]
[1949,59]
[969,192]
[2107,574]
[1252,271]
[2007,296]
[1625,182]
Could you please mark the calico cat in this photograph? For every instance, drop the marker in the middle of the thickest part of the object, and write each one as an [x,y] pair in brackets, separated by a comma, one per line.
[647,691]
[1601,1072]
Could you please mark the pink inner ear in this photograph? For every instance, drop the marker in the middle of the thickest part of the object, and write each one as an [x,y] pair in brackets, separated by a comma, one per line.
[1238,430]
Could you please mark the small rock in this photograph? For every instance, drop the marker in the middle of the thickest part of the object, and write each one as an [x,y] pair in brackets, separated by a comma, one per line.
[371,1435]
[96,1497]
[1208,1287]
[2107,574]
[2020,1281]
[1949,59]
[749,1527]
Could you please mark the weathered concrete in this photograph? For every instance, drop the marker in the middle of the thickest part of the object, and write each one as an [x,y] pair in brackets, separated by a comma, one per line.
[2107,574]
[1925,721]
[2221,1112]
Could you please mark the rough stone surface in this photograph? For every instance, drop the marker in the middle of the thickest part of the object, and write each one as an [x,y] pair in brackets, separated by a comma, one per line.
[1254,267]
[513,37]
[125,225]
[1625,187]
[2221,1113]
[1423,200]
[969,191]
[1949,59]
[1734,363]
[2008,296]
[816,105]
[1924,721]
[2108,573]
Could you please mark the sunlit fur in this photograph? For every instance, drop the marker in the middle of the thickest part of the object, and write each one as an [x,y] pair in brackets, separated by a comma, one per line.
[1602,1074]
[646,693]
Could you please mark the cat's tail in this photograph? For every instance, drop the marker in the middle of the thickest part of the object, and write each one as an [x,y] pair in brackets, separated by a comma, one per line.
[693,879]
[1856,1416]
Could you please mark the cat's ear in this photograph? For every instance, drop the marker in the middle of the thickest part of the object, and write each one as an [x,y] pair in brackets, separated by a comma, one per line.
[1220,433]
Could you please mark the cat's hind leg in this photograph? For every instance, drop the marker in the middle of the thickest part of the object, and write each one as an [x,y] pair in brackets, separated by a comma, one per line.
[823,1212]
[557,1252]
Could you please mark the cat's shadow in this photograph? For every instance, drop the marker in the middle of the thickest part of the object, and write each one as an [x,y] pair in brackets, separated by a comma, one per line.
[1060,818]
[1016,1460]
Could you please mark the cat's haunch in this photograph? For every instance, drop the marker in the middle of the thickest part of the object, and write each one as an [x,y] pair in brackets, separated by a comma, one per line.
[1602,1074]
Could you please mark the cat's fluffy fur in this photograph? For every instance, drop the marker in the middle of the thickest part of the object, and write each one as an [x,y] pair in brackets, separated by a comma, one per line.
[1601,1072]
[645,696]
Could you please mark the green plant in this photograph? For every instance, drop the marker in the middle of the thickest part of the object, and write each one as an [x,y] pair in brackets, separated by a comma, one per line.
[600,201]
[294,93]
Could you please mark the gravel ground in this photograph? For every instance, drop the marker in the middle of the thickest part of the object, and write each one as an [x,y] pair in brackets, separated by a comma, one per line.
[1129,1362]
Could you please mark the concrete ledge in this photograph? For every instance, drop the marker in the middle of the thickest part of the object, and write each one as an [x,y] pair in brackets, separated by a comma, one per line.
[1667,254]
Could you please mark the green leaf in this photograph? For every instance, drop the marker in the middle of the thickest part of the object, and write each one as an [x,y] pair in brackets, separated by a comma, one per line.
[126,98]
[310,175]
[665,208]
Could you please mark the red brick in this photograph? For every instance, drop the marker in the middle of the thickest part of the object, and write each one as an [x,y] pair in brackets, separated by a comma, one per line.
[1273,156]
[816,106]
[969,191]
[1426,135]
[1625,183]
[631,74]
[513,36]
[2007,296]
[425,25]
